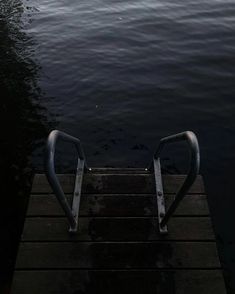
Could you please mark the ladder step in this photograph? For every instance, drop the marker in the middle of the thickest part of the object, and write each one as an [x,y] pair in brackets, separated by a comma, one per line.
[116,229]
[117,184]
[117,205]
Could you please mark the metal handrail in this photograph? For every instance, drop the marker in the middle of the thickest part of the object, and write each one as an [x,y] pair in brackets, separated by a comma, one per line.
[192,141]
[72,214]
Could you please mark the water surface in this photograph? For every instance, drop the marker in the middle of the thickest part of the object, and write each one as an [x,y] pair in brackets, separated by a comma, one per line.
[121,74]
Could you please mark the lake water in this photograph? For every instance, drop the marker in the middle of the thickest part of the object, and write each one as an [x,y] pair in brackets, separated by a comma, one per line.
[120,75]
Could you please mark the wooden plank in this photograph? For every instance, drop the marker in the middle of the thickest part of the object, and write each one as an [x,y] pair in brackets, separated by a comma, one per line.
[114,171]
[121,183]
[117,255]
[117,205]
[119,282]
[115,229]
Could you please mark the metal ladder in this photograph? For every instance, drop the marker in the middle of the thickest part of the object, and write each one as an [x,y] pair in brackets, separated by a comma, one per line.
[72,214]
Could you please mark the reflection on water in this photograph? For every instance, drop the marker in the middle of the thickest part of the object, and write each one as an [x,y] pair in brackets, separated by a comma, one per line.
[23,124]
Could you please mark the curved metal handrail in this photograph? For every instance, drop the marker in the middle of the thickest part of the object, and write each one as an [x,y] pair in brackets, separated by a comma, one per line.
[192,141]
[72,214]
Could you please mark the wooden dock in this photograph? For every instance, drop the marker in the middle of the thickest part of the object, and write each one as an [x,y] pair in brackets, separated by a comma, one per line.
[118,248]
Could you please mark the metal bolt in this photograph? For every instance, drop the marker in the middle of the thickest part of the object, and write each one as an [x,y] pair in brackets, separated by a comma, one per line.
[159,193]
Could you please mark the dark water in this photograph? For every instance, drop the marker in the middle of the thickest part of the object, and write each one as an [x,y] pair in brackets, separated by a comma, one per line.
[119,75]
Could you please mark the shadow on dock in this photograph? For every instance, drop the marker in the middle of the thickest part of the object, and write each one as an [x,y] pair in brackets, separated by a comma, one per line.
[23,124]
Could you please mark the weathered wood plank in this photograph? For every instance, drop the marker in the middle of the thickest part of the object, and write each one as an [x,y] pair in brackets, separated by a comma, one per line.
[120,183]
[116,229]
[117,255]
[115,171]
[117,205]
[119,282]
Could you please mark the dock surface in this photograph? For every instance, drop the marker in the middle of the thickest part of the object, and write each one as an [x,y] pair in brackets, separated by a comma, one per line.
[118,248]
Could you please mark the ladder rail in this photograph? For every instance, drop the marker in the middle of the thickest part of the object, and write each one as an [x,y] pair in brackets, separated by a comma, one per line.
[71,214]
[163,215]
[191,139]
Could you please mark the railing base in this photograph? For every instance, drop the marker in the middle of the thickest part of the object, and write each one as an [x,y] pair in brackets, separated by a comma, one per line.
[160,195]
[77,193]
